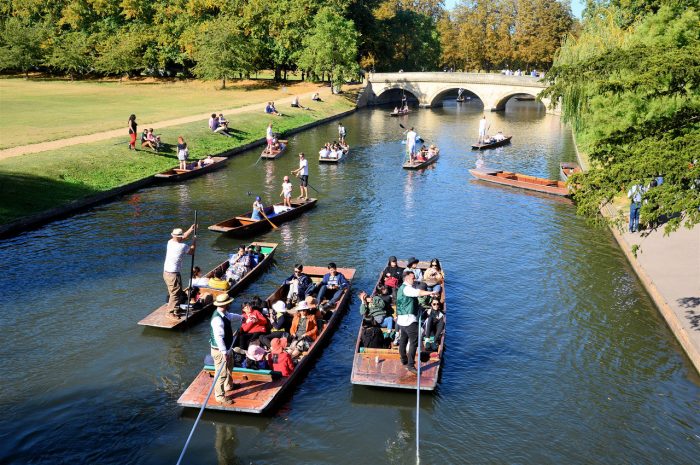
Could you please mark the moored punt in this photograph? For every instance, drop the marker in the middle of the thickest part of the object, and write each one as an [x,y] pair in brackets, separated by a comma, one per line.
[491,145]
[342,156]
[567,168]
[244,225]
[259,390]
[417,164]
[383,368]
[162,318]
[273,154]
[522,181]
[176,174]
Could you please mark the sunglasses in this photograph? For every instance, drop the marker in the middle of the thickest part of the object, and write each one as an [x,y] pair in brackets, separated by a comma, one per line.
[435,304]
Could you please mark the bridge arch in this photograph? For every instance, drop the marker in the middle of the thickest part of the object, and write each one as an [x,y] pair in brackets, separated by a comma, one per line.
[386,94]
[438,95]
[500,102]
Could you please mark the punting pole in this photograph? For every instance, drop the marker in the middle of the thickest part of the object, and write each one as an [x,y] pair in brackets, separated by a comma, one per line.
[189,289]
[420,338]
[201,410]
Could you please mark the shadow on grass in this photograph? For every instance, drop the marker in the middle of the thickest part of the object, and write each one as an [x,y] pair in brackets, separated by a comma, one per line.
[24,195]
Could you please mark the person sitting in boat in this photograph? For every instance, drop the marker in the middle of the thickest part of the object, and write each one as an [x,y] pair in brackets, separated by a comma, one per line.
[281,323]
[499,136]
[333,284]
[384,293]
[275,145]
[258,210]
[324,152]
[374,308]
[433,324]
[239,265]
[300,285]
[372,335]
[279,360]
[197,278]
[432,151]
[255,355]
[304,330]
[253,324]
[206,161]
[217,281]
[434,277]
[316,97]
[420,156]
[396,110]
[405,108]
[413,267]
[392,275]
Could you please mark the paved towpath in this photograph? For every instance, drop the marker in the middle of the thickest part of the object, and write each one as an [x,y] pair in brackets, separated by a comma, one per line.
[98,136]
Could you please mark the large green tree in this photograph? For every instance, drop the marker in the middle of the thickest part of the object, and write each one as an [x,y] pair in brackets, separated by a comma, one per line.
[73,53]
[222,50]
[21,45]
[331,47]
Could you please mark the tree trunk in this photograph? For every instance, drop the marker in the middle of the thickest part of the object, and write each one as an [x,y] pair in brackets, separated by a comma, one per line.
[223,82]
[302,75]
[285,73]
[278,72]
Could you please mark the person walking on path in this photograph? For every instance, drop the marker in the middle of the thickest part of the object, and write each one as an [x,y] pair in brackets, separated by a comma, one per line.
[303,173]
[176,251]
[183,153]
[635,195]
[483,128]
[407,318]
[133,131]
[221,342]
[341,133]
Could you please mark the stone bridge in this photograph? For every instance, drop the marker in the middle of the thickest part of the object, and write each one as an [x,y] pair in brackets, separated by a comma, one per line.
[494,90]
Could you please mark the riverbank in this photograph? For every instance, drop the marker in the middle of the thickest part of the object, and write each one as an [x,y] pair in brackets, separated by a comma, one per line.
[40,187]
[669,269]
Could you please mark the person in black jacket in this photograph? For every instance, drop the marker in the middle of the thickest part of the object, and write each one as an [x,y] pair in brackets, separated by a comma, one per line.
[392,276]
[300,285]
[372,336]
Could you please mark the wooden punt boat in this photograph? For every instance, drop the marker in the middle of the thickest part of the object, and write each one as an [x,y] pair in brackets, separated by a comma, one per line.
[567,168]
[525,99]
[460,99]
[243,225]
[491,145]
[383,368]
[274,154]
[523,181]
[176,174]
[417,165]
[399,113]
[162,318]
[342,157]
[259,390]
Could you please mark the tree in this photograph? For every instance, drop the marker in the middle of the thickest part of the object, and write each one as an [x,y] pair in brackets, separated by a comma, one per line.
[122,52]
[21,45]
[540,27]
[331,47]
[633,97]
[222,50]
[72,52]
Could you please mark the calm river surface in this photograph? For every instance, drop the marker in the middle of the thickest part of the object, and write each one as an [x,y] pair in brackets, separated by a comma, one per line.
[555,353]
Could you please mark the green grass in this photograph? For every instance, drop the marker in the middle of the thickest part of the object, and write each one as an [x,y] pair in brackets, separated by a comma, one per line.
[34,111]
[35,182]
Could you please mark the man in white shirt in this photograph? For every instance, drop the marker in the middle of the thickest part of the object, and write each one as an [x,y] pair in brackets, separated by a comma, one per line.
[324,152]
[303,173]
[483,127]
[173,263]
[635,195]
[341,133]
[221,336]
[269,136]
[407,309]
[411,142]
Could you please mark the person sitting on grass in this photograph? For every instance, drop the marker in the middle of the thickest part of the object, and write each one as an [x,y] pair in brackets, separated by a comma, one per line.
[271,110]
[144,138]
[316,97]
[295,102]
[217,127]
[152,141]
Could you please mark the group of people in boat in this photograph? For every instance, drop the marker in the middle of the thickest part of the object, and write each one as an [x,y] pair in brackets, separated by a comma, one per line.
[498,137]
[424,154]
[401,111]
[274,338]
[402,297]
[219,125]
[333,150]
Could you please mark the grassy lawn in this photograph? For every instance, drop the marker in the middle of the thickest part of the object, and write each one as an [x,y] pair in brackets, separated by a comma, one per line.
[35,182]
[42,110]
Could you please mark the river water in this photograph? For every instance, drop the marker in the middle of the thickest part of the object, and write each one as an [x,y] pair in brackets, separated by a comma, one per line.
[555,353]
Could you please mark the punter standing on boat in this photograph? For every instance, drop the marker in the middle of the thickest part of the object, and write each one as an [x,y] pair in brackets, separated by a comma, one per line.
[341,133]
[303,173]
[269,136]
[176,251]
[407,319]
[258,210]
[411,142]
[221,341]
[483,127]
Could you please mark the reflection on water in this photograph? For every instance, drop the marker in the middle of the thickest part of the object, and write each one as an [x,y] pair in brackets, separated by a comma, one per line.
[553,346]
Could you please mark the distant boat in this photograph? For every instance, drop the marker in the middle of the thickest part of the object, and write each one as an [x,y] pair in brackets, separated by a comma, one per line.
[522,181]
[420,163]
[400,112]
[244,225]
[567,168]
[492,144]
[343,155]
[176,174]
[274,154]
[525,99]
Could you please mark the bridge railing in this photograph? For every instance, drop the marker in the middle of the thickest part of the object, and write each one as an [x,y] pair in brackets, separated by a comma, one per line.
[473,78]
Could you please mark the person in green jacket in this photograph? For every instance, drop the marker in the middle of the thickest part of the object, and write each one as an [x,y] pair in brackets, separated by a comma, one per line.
[374,308]
[407,309]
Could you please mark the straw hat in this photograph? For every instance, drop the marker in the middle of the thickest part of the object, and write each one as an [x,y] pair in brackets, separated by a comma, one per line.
[222,299]
[177,232]
[279,307]
[301,306]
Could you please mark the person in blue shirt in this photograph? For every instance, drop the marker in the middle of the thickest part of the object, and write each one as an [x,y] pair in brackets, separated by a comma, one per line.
[333,283]
[300,285]
[258,208]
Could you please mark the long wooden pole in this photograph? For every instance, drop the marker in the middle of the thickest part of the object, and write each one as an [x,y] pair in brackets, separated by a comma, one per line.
[189,289]
[418,391]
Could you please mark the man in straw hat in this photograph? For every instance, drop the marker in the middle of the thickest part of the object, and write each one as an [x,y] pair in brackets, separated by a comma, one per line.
[177,249]
[221,336]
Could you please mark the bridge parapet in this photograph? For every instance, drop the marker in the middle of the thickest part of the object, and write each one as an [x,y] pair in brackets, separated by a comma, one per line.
[457,78]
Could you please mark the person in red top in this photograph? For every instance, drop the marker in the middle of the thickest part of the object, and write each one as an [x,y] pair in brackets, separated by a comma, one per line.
[279,359]
[254,324]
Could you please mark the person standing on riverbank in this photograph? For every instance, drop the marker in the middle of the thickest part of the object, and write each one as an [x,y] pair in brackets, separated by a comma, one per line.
[483,128]
[303,173]
[176,251]
[407,319]
[221,342]
[635,195]
[133,128]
